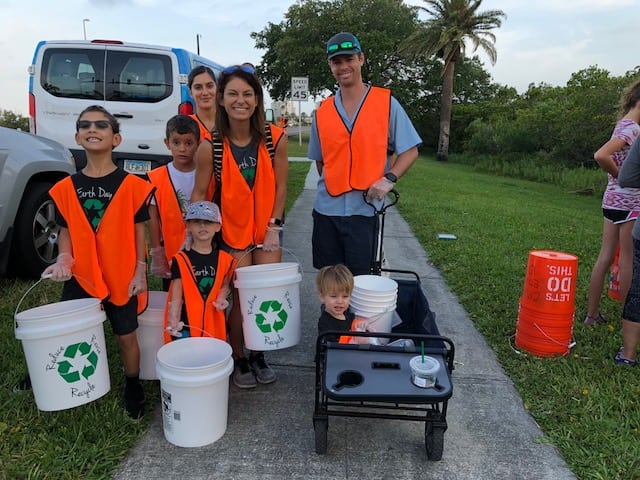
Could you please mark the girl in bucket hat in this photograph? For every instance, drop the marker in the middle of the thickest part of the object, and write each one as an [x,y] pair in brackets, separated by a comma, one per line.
[200,275]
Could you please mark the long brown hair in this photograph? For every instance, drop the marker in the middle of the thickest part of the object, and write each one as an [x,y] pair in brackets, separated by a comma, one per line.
[247,74]
[630,97]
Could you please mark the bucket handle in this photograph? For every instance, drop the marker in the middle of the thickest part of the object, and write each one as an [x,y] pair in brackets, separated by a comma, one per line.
[255,247]
[169,329]
[43,277]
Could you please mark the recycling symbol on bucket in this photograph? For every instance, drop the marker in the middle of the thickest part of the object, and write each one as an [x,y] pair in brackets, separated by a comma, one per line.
[278,312]
[78,350]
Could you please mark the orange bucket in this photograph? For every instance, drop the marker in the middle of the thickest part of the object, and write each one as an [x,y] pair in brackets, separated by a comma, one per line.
[614,277]
[544,335]
[550,282]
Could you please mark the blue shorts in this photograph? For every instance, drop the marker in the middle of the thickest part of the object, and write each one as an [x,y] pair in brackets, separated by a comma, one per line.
[619,216]
[123,318]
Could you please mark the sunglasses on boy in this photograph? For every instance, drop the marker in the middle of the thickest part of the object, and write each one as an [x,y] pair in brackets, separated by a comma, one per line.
[336,47]
[235,68]
[99,124]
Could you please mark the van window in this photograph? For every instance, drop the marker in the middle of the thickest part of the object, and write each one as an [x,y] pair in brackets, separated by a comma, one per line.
[138,77]
[130,76]
[73,73]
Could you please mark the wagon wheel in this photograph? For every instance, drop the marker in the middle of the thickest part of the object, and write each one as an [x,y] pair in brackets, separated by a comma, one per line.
[434,441]
[320,426]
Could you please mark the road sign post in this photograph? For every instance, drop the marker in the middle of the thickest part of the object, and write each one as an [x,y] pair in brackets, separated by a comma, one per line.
[299,92]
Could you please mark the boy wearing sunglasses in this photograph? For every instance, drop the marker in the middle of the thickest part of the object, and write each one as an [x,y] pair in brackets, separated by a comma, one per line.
[354,135]
[102,212]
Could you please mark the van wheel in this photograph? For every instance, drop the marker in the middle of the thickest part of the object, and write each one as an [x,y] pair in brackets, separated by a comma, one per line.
[35,239]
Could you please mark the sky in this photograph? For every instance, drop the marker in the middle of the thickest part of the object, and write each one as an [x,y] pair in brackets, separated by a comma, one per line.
[539,42]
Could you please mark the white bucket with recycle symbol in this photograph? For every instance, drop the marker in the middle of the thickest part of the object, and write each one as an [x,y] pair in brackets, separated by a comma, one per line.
[65,351]
[270,304]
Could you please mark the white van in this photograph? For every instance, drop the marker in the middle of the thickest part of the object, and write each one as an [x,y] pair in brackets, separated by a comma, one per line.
[142,85]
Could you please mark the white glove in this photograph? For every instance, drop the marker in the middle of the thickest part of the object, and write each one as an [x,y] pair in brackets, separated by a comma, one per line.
[61,270]
[221,303]
[379,189]
[271,241]
[159,265]
[138,283]
[175,325]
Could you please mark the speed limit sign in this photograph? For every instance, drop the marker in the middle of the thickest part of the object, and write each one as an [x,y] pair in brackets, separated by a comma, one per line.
[300,88]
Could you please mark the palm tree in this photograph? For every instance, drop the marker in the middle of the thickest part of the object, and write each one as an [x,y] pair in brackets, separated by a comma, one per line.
[452,24]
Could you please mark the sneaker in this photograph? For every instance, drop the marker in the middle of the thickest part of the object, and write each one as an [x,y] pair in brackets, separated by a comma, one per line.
[264,373]
[134,400]
[591,321]
[23,385]
[620,360]
[243,376]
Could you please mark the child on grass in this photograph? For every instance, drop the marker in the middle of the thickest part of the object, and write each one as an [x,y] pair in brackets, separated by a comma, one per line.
[174,185]
[200,277]
[102,212]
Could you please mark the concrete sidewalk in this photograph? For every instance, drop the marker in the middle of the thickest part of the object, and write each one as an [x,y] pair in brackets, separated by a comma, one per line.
[270,433]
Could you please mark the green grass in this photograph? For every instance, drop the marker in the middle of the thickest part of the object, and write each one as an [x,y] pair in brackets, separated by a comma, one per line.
[295,149]
[85,442]
[585,405]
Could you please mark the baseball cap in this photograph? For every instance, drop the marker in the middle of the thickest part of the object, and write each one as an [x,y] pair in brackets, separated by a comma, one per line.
[343,43]
[203,211]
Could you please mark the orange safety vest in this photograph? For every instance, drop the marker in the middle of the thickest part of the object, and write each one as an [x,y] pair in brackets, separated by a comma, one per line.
[354,160]
[246,212]
[205,134]
[105,259]
[169,209]
[201,314]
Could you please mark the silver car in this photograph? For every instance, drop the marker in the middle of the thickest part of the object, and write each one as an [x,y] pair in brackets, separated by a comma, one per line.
[29,166]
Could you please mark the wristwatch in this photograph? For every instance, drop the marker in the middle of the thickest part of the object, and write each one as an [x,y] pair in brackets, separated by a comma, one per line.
[391,177]
[276,221]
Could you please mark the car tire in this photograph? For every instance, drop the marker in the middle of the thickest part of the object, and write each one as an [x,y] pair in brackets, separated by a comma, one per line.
[35,238]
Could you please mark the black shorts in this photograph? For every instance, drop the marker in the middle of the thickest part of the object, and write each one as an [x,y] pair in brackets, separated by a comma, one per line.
[619,216]
[348,240]
[123,318]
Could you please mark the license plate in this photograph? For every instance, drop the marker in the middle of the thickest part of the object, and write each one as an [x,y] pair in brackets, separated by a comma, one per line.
[137,167]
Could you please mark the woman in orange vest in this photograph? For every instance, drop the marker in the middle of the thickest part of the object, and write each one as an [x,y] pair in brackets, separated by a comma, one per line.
[202,87]
[200,276]
[252,194]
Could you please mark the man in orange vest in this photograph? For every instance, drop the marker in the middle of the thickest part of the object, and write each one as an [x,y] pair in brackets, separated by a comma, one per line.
[354,135]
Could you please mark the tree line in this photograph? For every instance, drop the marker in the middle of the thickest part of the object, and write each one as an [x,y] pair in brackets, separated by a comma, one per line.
[412,57]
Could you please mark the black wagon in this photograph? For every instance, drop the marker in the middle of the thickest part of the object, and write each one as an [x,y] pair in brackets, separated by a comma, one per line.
[374,381]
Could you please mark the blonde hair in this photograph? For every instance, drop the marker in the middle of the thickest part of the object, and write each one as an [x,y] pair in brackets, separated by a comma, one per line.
[334,278]
[630,96]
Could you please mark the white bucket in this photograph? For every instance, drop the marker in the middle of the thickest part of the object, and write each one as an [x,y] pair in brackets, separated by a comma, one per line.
[66,352]
[150,334]
[194,384]
[270,305]
[374,283]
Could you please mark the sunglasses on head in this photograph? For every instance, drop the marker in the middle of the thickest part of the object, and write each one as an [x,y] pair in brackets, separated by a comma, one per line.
[336,47]
[99,124]
[235,68]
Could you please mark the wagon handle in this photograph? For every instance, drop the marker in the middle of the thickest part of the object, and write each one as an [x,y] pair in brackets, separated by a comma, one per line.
[385,205]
